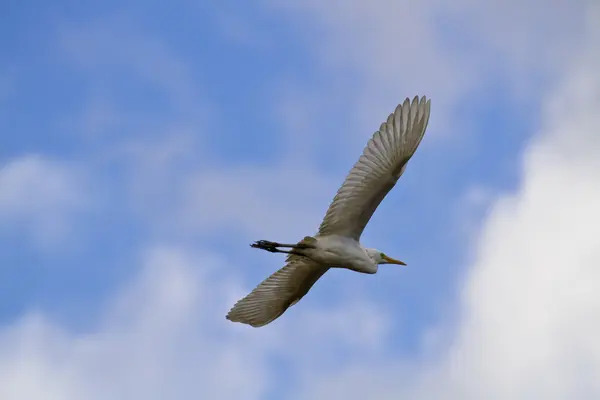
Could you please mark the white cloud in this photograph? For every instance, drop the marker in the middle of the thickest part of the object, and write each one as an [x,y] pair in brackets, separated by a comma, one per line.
[165,336]
[378,52]
[144,347]
[528,326]
[531,301]
[40,196]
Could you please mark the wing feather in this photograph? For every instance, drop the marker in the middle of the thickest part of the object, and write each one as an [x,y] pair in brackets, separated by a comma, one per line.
[381,164]
[277,293]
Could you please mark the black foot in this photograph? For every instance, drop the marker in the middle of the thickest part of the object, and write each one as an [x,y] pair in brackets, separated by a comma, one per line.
[265,245]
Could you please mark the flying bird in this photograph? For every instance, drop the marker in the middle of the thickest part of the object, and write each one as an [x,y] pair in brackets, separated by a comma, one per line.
[337,243]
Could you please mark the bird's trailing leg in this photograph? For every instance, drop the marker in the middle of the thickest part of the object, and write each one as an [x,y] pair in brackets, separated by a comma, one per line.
[269,246]
[273,246]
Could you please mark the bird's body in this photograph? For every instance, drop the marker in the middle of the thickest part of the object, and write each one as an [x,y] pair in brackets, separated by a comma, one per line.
[337,244]
[338,251]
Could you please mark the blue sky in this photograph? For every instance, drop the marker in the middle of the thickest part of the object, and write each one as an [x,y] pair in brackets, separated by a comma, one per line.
[144,146]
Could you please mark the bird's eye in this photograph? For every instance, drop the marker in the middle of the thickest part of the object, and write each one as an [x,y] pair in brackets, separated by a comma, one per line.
[382,255]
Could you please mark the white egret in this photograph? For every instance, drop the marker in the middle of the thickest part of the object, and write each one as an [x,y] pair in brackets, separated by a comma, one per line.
[337,245]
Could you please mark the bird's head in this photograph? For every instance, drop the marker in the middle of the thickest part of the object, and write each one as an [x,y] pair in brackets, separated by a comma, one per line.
[380,258]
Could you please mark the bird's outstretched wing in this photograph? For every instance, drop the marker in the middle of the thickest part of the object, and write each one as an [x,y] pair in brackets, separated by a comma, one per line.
[277,293]
[376,172]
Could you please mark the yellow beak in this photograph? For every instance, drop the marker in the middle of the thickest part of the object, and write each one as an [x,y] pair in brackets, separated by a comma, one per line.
[390,260]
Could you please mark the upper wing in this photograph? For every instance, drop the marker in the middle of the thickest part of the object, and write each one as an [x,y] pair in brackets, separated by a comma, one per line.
[277,293]
[377,170]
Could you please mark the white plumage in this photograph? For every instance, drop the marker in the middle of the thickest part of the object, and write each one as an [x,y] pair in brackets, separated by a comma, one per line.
[337,245]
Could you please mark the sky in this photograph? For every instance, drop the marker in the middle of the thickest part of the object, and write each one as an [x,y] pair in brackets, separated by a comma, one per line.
[143,146]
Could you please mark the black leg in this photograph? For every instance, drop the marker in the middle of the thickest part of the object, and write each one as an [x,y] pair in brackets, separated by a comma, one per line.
[273,246]
[264,244]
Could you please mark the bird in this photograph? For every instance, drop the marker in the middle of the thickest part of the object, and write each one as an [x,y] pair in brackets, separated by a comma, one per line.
[337,242]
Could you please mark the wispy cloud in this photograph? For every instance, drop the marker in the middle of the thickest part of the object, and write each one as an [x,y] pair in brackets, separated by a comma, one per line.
[453,54]
[41,197]
[117,45]
[527,328]
[165,336]
[156,155]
